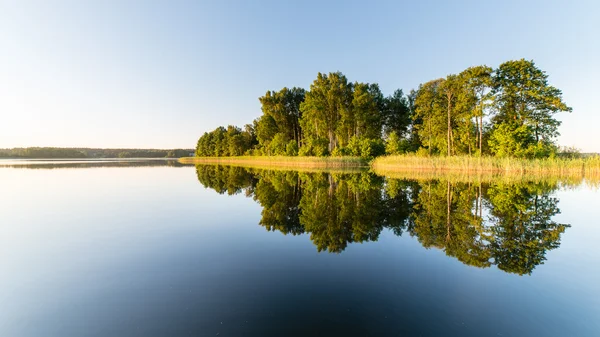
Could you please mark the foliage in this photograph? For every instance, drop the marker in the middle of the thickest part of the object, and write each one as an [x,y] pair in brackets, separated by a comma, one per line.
[291,149]
[505,112]
[281,116]
[226,142]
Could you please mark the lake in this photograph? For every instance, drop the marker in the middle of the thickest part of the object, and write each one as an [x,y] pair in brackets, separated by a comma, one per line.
[156,248]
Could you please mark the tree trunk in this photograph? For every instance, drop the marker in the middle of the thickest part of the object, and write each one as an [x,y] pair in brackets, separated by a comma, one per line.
[449,96]
[452,142]
[330,141]
[481,132]
[469,136]
[429,119]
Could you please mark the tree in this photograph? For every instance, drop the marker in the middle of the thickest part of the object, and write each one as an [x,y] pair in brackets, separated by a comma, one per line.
[428,117]
[225,142]
[281,110]
[397,116]
[328,100]
[507,112]
[392,144]
[450,88]
[366,111]
[525,100]
[479,80]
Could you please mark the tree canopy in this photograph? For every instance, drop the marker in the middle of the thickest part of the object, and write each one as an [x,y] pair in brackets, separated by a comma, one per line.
[508,111]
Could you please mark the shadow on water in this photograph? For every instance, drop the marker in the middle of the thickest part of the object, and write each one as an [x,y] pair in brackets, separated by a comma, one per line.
[507,224]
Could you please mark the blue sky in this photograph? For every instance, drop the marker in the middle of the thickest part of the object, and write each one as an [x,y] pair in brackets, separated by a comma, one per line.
[157,74]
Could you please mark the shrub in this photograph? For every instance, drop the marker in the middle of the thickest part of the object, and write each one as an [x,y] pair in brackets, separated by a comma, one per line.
[291,149]
[314,147]
[371,148]
[278,144]
[511,140]
[393,144]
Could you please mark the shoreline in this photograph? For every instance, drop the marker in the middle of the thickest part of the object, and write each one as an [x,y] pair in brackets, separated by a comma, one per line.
[281,161]
[411,165]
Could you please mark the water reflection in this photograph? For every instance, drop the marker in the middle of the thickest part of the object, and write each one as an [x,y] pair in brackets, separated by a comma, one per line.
[506,224]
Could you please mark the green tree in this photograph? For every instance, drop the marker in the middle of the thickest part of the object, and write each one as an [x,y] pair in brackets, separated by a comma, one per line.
[525,100]
[392,144]
[283,108]
[397,117]
[325,106]
[478,79]
[429,116]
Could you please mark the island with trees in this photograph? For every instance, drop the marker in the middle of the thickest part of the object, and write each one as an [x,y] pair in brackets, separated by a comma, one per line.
[479,119]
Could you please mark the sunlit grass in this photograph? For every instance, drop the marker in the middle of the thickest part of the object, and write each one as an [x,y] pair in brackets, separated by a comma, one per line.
[280,161]
[581,168]
[460,168]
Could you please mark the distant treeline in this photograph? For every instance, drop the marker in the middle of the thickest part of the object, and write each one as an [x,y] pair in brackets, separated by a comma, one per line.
[56,152]
[507,111]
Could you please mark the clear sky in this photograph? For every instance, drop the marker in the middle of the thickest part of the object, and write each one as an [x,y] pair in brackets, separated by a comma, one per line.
[157,74]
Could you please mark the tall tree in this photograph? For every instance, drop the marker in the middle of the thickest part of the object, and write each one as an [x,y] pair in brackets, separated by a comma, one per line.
[524,99]
[367,101]
[329,99]
[429,111]
[283,107]
[397,114]
[450,89]
[479,80]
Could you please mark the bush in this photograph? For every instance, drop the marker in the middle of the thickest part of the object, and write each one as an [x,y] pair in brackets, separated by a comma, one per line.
[305,150]
[277,146]
[393,144]
[422,152]
[341,151]
[291,149]
[371,148]
[511,140]
[354,146]
[314,147]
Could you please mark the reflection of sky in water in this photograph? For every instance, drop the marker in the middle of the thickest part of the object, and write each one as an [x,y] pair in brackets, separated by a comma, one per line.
[149,251]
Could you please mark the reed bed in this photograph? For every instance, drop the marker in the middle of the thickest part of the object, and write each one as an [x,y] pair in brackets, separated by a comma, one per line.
[281,161]
[582,168]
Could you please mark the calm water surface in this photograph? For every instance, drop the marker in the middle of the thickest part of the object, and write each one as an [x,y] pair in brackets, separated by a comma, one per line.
[154,248]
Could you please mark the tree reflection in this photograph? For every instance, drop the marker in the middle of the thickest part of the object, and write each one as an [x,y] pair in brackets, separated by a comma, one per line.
[509,225]
[445,216]
[279,193]
[337,209]
[521,226]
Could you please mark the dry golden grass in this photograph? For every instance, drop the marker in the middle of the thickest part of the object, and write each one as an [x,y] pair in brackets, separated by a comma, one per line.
[460,168]
[281,161]
[584,168]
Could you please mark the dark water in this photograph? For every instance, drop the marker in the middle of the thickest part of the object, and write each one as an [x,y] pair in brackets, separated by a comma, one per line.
[159,249]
